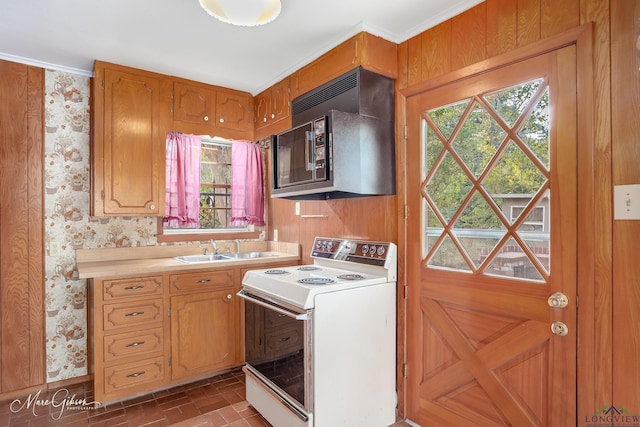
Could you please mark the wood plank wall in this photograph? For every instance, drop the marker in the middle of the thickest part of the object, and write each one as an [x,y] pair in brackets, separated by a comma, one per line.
[22,322]
[625,95]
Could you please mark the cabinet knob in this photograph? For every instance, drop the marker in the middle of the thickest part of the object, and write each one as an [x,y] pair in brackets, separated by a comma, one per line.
[273,116]
[206,118]
[264,120]
[221,120]
[152,207]
[229,296]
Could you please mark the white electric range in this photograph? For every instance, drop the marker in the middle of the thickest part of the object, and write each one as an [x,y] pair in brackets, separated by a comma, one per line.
[320,345]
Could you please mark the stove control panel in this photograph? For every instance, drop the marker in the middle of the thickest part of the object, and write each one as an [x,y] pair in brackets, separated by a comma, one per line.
[360,251]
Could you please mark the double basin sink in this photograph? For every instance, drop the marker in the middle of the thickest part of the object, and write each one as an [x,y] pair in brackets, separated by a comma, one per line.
[196,259]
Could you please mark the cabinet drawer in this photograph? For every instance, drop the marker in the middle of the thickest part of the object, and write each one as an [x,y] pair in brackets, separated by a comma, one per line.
[201,280]
[144,375]
[131,287]
[283,341]
[137,313]
[133,344]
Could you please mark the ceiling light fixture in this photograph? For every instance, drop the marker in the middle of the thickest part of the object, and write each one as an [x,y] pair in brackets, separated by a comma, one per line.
[246,13]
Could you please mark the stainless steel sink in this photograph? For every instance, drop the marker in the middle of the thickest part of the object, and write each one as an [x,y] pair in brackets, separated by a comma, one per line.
[194,259]
[198,259]
[247,255]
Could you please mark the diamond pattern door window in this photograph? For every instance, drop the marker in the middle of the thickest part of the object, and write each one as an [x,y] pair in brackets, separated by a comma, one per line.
[485,188]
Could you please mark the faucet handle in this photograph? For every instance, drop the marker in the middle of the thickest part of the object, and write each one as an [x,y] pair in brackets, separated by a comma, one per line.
[206,249]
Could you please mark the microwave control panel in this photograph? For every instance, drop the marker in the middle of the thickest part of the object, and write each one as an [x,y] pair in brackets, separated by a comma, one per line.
[319,143]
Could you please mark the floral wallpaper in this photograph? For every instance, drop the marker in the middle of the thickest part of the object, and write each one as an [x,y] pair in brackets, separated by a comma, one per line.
[68,225]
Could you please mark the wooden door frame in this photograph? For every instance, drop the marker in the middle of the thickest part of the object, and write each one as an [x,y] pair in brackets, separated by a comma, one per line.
[592,324]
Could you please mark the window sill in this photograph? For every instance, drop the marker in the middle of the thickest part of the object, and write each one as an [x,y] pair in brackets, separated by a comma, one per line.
[195,237]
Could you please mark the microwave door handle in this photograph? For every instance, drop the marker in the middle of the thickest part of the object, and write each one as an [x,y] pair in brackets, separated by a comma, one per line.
[308,150]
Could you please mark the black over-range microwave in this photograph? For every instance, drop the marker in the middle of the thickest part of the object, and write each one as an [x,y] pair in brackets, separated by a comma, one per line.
[334,156]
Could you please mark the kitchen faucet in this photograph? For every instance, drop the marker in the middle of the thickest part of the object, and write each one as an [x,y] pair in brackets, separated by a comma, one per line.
[237,241]
[215,246]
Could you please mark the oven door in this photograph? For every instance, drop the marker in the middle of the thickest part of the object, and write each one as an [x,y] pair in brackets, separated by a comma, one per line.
[277,349]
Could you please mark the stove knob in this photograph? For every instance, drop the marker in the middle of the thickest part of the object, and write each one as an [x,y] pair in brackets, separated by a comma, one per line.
[373,249]
[365,249]
[381,250]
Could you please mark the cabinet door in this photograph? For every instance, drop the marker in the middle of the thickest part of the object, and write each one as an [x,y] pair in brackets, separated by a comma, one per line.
[262,108]
[193,104]
[233,110]
[129,138]
[205,332]
[280,108]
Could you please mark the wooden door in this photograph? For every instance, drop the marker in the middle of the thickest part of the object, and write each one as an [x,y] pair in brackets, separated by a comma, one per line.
[491,188]
[205,332]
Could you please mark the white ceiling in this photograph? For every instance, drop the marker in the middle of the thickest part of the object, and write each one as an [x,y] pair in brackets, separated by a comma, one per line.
[178,38]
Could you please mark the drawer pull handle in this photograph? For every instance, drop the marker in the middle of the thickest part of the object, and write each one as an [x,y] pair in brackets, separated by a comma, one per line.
[136,374]
[285,339]
[135,314]
[135,344]
[203,281]
[134,288]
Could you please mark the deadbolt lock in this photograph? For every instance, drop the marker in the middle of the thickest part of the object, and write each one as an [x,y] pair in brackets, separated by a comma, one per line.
[558,300]
[559,329]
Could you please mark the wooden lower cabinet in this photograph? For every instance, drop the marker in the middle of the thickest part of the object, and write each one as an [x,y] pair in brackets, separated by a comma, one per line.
[128,335]
[153,331]
[205,322]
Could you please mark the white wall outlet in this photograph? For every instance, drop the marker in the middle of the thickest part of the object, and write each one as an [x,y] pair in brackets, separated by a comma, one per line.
[297,208]
[275,234]
[626,201]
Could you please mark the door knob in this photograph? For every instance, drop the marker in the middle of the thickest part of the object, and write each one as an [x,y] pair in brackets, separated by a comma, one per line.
[558,300]
[559,329]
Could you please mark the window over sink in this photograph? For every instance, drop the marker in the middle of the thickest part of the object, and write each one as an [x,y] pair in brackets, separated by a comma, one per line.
[214,199]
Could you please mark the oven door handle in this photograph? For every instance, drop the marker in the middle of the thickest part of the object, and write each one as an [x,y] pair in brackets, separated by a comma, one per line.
[264,303]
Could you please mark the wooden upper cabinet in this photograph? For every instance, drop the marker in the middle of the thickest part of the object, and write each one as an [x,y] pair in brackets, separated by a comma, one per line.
[272,108]
[233,110]
[193,104]
[211,110]
[371,52]
[131,112]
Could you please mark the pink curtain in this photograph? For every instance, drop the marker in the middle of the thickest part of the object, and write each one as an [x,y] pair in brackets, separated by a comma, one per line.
[182,181]
[247,191]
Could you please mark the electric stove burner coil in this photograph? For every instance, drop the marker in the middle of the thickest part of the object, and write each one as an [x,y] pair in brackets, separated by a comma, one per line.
[351,277]
[308,268]
[316,281]
[277,271]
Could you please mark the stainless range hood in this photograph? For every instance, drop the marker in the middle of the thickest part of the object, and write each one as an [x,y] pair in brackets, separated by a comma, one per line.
[359,147]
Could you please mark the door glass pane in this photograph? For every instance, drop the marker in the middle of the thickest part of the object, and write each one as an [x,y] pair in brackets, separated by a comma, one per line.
[499,151]
[510,103]
[446,118]
[478,229]
[478,139]
[448,187]
[535,130]
[447,256]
